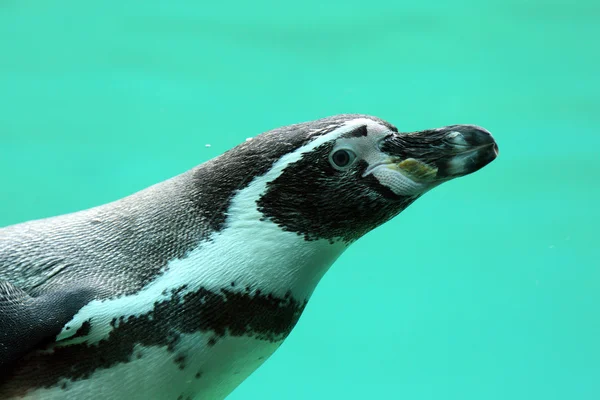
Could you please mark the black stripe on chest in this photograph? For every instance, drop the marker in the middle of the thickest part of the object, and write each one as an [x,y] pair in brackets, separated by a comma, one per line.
[227,312]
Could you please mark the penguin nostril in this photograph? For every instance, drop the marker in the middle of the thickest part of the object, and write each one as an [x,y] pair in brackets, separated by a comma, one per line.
[468,136]
[457,139]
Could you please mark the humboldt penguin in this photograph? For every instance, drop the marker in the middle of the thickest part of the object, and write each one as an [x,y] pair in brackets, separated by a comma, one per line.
[182,290]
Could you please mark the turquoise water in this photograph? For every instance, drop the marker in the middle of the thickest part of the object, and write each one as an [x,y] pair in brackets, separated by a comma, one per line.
[486,288]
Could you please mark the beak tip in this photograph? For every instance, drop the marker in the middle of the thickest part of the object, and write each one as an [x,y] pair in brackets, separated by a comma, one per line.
[474,148]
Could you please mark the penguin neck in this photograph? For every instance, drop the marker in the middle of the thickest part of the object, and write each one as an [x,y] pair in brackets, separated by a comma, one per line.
[271,259]
[255,252]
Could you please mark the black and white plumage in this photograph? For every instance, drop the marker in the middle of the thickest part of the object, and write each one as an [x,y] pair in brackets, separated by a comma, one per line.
[185,288]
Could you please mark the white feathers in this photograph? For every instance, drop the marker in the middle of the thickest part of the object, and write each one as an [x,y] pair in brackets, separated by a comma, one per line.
[389,175]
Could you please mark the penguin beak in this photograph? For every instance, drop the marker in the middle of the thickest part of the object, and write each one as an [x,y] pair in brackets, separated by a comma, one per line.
[441,154]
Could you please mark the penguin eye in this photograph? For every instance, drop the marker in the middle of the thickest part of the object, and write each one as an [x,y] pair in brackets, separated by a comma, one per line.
[342,158]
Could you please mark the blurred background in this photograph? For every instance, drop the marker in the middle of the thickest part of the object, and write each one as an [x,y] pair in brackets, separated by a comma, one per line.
[486,288]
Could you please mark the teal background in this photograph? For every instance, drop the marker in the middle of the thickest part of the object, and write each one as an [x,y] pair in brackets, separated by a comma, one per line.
[486,288]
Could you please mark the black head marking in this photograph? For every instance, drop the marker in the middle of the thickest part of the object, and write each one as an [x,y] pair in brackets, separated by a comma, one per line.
[317,201]
[358,132]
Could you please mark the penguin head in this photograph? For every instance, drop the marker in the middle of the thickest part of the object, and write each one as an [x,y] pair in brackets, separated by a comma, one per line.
[357,172]
[338,178]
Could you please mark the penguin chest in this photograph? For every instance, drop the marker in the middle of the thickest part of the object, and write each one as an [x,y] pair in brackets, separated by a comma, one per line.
[196,331]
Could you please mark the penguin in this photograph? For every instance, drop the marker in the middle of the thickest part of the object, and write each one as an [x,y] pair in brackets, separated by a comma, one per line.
[182,290]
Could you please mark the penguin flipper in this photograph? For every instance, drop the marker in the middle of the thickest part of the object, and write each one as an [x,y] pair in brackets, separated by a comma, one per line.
[27,322]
